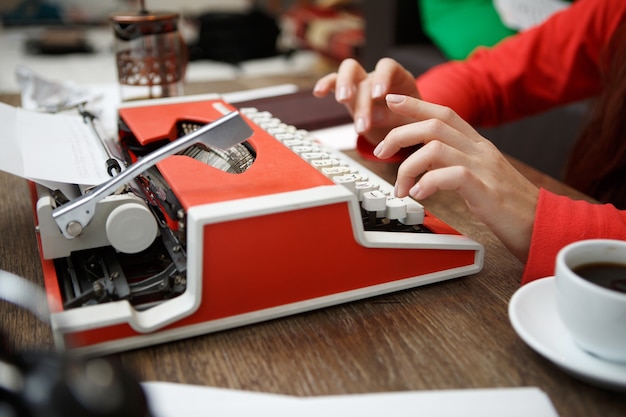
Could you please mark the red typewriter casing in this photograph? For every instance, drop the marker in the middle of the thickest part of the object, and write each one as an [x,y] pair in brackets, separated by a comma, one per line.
[278,239]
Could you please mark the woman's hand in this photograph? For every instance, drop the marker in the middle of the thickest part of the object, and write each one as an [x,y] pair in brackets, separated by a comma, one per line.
[456,157]
[364,94]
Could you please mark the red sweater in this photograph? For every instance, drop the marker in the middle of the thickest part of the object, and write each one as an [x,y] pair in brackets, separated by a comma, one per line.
[560,220]
[546,66]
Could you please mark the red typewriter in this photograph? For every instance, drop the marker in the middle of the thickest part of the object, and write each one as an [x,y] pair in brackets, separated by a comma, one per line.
[221,218]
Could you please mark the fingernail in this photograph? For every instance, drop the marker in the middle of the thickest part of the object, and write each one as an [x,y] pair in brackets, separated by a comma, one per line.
[360,125]
[379,148]
[377,92]
[394,98]
[342,93]
[415,191]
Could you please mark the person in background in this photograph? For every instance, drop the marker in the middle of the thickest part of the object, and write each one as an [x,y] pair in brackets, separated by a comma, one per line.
[458,27]
[428,124]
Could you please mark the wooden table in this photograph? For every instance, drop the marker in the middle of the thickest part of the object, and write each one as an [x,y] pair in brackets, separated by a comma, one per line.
[449,335]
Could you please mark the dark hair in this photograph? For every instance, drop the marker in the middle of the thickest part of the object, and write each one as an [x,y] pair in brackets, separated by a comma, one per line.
[597,163]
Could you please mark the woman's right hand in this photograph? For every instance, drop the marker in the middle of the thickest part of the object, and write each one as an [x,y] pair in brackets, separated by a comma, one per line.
[364,94]
[454,156]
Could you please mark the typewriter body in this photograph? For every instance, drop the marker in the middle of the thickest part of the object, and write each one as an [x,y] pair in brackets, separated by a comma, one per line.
[209,239]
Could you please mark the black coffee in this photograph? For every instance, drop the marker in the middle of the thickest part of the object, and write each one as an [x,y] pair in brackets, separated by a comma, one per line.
[605,274]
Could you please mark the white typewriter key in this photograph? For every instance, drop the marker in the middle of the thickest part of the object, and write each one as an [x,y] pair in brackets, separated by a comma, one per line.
[257,120]
[310,156]
[396,208]
[268,124]
[131,228]
[363,187]
[306,149]
[300,133]
[334,171]
[248,110]
[285,137]
[276,130]
[347,181]
[414,213]
[374,201]
[363,178]
[324,163]
[357,177]
[291,142]
[260,116]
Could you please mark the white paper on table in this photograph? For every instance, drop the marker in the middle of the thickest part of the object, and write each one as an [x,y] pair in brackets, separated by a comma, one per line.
[341,137]
[50,148]
[257,93]
[174,400]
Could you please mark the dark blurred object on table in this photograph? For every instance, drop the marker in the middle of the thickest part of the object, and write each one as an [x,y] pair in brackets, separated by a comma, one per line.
[235,37]
[59,41]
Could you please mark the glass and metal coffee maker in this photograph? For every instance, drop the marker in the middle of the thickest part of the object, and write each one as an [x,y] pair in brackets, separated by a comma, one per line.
[150,53]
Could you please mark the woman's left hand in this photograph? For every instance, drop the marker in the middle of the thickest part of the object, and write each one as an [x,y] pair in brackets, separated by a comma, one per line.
[454,156]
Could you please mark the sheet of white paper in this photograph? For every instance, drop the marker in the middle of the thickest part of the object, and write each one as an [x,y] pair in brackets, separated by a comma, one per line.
[49,148]
[339,137]
[11,152]
[170,400]
[256,93]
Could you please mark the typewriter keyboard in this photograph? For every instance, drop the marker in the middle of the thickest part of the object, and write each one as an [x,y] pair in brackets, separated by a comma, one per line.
[380,209]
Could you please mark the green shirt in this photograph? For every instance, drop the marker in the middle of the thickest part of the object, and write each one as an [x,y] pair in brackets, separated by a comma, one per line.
[457,27]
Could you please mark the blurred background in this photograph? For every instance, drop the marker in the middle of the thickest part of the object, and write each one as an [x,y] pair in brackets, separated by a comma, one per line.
[72,40]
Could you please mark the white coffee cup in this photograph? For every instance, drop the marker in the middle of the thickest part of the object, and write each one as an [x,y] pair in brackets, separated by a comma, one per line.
[594,315]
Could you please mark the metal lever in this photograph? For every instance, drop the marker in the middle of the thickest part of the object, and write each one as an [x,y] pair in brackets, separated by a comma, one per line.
[224,133]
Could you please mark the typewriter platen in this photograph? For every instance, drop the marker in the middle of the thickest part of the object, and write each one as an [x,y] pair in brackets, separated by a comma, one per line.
[209,238]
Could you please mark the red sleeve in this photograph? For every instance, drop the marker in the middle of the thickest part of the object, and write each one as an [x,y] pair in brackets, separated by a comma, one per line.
[559,221]
[366,150]
[548,65]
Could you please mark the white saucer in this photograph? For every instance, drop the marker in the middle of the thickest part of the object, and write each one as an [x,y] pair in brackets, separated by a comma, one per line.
[534,317]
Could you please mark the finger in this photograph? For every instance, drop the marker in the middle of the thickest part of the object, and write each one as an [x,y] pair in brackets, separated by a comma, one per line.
[422,132]
[349,75]
[422,110]
[509,212]
[363,105]
[381,77]
[325,85]
[433,156]
[389,73]
[454,178]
